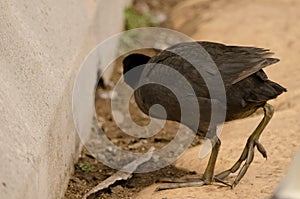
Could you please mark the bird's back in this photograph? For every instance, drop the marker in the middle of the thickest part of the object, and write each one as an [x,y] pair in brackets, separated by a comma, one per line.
[245,84]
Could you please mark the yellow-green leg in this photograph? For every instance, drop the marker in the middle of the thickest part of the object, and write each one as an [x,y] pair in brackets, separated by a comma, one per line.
[247,156]
[208,175]
[248,152]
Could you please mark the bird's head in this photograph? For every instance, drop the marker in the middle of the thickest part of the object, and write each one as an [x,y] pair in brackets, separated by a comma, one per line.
[136,63]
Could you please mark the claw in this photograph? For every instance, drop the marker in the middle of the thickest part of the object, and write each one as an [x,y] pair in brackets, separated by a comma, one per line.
[233,186]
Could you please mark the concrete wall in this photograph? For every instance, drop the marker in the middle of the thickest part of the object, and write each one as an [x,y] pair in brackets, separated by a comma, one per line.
[42,45]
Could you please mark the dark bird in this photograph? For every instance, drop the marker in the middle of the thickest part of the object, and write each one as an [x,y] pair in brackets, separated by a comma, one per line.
[246,88]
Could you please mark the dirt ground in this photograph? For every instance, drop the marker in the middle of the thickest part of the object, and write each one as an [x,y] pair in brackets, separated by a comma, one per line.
[272,24]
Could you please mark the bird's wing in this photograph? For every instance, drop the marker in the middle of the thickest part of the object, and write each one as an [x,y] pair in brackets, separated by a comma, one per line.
[236,63]
[193,63]
[210,67]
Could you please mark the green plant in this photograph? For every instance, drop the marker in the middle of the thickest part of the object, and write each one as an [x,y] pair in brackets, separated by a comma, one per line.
[86,167]
[136,20]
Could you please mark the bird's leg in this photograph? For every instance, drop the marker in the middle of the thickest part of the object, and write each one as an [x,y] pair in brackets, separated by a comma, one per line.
[209,171]
[207,176]
[248,152]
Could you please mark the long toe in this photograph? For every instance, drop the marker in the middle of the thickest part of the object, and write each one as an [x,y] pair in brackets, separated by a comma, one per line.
[181,185]
[246,157]
[261,149]
[248,161]
[179,180]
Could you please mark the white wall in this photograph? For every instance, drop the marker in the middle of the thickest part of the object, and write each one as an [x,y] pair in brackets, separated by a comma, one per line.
[42,45]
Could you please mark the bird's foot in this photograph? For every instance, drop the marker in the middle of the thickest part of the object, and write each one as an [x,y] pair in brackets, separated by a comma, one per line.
[187,182]
[207,178]
[246,157]
[248,152]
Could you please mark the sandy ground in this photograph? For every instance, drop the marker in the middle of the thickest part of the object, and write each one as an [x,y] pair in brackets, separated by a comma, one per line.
[271,24]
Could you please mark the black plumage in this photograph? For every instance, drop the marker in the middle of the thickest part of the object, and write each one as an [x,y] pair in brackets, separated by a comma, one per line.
[246,86]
